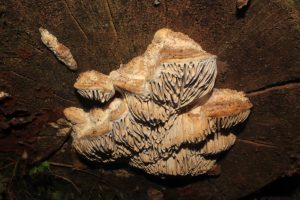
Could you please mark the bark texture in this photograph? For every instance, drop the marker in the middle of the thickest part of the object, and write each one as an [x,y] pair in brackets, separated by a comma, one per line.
[258,52]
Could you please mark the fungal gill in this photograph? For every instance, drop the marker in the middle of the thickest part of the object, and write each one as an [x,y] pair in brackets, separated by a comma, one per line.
[166,118]
[95,86]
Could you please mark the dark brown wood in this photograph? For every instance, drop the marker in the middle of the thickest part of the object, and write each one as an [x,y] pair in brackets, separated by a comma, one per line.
[258,52]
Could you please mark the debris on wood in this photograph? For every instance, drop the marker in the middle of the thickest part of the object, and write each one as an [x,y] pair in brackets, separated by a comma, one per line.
[3,95]
[122,173]
[156,2]
[24,155]
[154,194]
[241,3]
[63,132]
[62,52]
[62,125]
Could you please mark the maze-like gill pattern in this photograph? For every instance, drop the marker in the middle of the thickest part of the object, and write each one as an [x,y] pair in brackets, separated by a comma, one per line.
[169,119]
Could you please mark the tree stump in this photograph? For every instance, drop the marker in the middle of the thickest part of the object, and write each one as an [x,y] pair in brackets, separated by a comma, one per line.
[258,51]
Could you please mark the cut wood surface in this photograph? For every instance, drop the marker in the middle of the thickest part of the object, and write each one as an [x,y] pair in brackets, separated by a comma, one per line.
[258,51]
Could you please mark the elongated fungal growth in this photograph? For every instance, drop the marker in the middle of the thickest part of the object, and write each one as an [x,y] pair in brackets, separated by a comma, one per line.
[167,118]
[62,52]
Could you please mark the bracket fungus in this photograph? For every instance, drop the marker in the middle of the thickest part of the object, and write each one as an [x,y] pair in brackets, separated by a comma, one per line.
[168,119]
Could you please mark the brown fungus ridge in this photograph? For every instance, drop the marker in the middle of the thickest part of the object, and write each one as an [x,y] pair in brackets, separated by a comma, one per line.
[226,102]
[166,47]
[95,85]
[93,134]
[227,108]
[169,120]
[86,124]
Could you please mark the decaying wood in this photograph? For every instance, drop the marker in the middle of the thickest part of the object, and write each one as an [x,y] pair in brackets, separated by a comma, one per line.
[258,53]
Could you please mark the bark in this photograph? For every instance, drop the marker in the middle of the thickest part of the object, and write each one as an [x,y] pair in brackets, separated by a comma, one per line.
[258,52]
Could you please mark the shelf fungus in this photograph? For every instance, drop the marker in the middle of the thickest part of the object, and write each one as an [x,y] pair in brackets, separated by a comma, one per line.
[166,119]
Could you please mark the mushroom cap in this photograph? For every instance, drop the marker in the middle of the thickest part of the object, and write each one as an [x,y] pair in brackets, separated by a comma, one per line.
[95,85]
[225,102]
[166,47]
[87,124]
[76,115]
[93,80]
[227,108]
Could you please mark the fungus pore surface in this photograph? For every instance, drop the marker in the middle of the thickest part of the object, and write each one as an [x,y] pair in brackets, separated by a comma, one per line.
[167,118]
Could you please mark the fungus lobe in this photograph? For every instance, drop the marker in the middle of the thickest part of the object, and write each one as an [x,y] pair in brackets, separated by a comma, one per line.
[169,119]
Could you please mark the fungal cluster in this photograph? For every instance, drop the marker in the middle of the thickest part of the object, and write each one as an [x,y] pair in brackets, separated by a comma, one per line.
[159,112]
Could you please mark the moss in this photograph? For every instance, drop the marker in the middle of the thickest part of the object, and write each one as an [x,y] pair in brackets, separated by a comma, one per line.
[44,166]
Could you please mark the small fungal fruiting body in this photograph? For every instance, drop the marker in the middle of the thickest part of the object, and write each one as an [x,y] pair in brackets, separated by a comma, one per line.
[241,3]
[62,52]
[94,85]
[3,95]
[169,119]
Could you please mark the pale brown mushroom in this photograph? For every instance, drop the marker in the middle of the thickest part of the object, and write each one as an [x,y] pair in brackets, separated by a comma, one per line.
[95,85]
[170,120]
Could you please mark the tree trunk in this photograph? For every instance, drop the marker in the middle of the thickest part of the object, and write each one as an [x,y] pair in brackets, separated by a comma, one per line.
[258,51]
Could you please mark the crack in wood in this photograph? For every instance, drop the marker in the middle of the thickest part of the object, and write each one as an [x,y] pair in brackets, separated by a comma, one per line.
[32,80]
[62,98]
[275,86]
[216,188]
[75,20]
[166,13]
[111,21]
[257,143]
[22,76]
[46,156]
